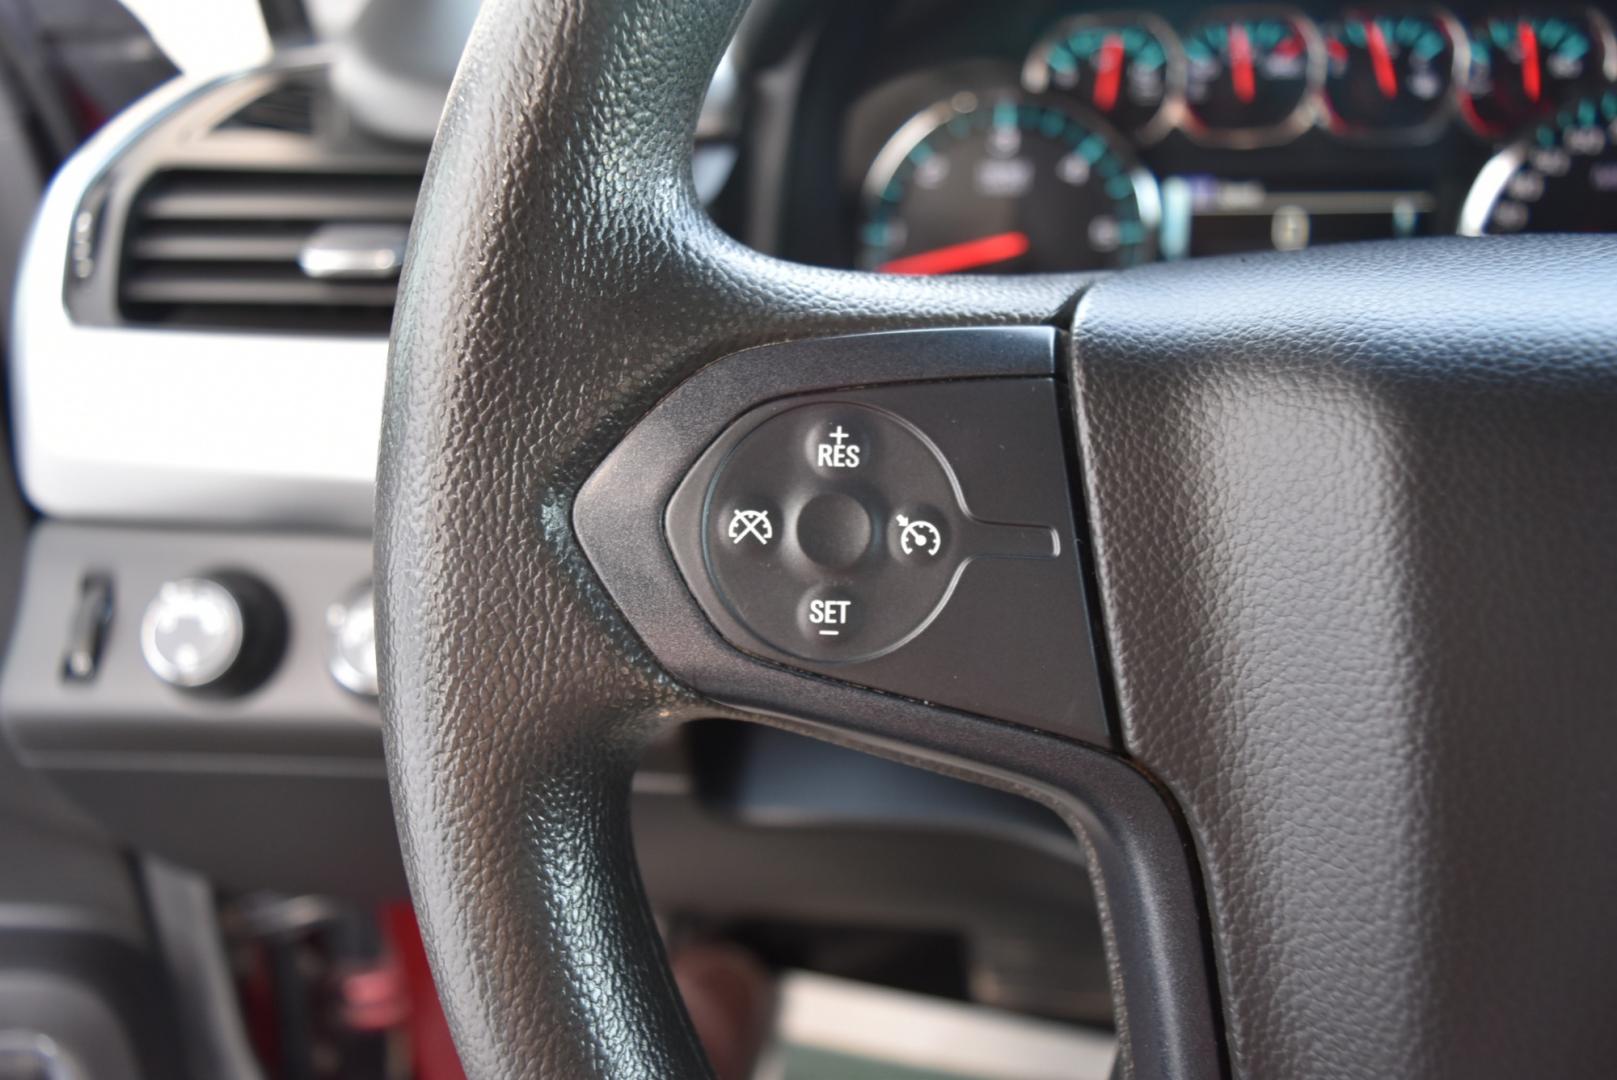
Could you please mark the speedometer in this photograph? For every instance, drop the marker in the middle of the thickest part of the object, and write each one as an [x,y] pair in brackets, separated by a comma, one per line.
[1562,178]
[1002,183]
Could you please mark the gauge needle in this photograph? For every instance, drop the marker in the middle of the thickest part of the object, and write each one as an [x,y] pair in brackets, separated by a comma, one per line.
[1241,73]
[1381,59]
[1527,40]
[1108,72]
[984,251]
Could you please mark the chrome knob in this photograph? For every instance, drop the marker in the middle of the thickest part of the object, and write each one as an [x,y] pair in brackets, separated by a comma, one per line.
[352,622]
[212,633]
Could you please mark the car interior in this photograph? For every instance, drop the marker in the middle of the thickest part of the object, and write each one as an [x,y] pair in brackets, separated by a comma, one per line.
[808,539]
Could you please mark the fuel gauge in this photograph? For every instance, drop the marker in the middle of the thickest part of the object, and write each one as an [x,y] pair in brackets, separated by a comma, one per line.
[1252,75]
[1390,75]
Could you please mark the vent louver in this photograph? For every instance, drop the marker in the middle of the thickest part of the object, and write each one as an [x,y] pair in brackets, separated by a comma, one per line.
[289,108]
[232,249]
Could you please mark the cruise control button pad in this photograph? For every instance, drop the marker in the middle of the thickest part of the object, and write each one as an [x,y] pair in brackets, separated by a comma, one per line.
[841,476]
[916,538]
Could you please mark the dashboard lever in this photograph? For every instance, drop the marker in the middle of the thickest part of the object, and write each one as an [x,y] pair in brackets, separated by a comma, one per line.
[88,632]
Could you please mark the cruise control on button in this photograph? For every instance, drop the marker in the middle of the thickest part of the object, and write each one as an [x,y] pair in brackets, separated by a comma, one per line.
[918,537]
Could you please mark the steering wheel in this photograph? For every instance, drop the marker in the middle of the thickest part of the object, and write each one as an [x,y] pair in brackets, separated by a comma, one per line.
[1345,525]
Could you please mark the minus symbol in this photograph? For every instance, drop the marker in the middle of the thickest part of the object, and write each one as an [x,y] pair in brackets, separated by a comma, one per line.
[829,633]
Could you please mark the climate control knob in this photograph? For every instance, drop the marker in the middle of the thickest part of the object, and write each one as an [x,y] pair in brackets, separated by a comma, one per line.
[352,655]
[222,633]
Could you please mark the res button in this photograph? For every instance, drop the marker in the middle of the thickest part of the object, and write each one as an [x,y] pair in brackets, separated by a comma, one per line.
[838,444]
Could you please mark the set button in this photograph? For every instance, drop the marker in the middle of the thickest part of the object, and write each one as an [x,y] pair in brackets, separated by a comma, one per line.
[832,615]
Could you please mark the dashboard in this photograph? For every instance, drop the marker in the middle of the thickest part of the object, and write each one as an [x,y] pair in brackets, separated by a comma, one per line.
[199,355]
[1030,136]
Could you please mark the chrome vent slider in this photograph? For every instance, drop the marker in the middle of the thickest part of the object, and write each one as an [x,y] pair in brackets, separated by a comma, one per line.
[348,251]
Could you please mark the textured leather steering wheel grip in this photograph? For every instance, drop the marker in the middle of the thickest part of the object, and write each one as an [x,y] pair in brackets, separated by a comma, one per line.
[1355,514]
[561,278]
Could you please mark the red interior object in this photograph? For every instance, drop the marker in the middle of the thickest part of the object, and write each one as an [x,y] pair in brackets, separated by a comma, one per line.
[431,1047]
[375,998]
[258,1011]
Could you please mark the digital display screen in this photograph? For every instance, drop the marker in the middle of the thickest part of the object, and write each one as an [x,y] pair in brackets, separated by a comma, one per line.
[1205,215]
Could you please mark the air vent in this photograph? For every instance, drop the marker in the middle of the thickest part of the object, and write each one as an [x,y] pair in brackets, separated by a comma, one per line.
[288,108]
[297,252]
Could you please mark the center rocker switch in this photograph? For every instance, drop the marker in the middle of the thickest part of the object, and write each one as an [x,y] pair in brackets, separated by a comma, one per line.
[915,538]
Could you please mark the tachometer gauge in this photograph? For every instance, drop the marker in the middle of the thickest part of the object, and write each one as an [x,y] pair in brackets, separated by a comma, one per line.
[1126,66]
[1561,178]
[1391,75]
[1005,183]
[1252,75]
[1523,67]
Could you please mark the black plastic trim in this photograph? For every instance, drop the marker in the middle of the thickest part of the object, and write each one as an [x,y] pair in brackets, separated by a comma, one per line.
[1006,634]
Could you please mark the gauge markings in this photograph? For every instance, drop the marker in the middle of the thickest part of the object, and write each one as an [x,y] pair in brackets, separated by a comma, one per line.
[1524,66]
[1391,76]
[1006,184]
[1252,75]
[1562,177]
[1003,180]
[1126,66]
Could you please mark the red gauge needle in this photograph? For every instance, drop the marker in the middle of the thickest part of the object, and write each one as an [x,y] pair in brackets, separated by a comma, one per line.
[1532,80]
[1381,59]
[984,251]
[1108,72]
[1241,73]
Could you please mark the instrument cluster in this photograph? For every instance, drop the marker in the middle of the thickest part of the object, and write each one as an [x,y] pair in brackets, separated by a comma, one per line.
[1249,76]
[1123,136]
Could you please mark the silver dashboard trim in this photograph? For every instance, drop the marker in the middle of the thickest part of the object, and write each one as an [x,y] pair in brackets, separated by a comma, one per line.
[134,423]
[1488,187]
[203,427]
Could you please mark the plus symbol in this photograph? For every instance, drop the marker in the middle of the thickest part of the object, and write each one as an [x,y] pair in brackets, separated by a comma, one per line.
[838,453]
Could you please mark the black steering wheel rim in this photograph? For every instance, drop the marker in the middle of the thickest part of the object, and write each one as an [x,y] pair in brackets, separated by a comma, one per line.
[562,280]
[526,268]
